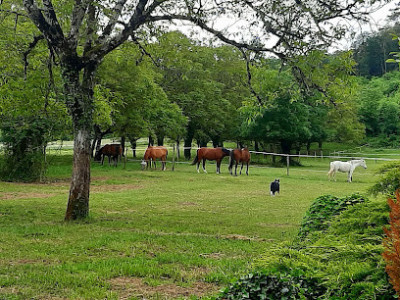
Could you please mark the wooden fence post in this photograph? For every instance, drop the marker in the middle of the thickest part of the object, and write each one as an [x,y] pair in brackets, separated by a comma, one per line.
[287,164]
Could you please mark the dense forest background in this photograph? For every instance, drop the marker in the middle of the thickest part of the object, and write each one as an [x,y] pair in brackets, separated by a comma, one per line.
[176,89]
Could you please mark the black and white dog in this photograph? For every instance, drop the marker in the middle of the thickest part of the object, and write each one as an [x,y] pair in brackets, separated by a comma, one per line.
[274,188]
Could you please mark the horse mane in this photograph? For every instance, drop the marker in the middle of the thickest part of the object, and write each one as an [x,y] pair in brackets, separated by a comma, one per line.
[226,151]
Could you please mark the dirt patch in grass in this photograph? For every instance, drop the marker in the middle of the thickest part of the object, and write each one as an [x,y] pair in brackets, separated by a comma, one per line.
[114,187]
[128,287]
[23,195]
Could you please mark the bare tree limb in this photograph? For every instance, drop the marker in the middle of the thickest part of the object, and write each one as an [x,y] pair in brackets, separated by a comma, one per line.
[78,15]
[253,92]
[144,51]
[91,28]
[52,17]
[14,12]
[216,33]
[31,46]
[55,37]
[113,20]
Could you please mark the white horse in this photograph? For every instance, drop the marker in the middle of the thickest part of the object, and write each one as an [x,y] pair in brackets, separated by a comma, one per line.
[346,167]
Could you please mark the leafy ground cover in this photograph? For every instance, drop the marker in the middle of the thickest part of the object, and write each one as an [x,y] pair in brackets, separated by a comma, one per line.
[339,259]
[152,234]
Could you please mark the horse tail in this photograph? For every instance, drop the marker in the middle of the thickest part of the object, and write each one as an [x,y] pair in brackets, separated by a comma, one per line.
[231,159]
[196,159]
[98,154]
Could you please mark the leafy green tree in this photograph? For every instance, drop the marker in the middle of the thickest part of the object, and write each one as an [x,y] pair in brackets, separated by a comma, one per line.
[379,108]
[372,50]
[31,114]
[200,80]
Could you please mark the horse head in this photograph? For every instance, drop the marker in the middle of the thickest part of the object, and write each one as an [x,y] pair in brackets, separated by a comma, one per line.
[363,164]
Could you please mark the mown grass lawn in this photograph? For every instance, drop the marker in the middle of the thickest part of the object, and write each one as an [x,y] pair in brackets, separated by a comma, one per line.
[165,235]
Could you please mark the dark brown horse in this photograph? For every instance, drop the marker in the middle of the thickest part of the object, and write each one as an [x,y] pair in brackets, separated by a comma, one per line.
[151,155]
[237,156]
[216,154]
[113,151]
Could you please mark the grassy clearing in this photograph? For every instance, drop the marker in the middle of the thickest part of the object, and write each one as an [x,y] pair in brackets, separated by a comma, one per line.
[152,233]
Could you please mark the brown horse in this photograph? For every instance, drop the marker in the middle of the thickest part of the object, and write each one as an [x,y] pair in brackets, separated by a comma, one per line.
[151,155]
[216,154]
[237,156]
[113,151]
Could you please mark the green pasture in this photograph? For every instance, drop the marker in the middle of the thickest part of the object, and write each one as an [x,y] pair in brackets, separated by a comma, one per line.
[153,234]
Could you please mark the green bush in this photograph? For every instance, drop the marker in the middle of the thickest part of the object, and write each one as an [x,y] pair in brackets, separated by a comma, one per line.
[390,180]
[260,285]
[23,139]
[323,209]
[340,258]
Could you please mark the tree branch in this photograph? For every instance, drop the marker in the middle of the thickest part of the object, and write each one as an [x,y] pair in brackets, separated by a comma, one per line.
[104,47]
[113,20]
[31,46]
[78,14]
[90,30]
[52,17]
[17,13]
[144,51]
[217,33]
[54,36]
[249,77]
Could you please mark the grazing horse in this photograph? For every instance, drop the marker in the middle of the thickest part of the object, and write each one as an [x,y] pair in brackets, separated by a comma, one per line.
[113,151]
[204,154]
[151,155]
[237,156]
[346,167]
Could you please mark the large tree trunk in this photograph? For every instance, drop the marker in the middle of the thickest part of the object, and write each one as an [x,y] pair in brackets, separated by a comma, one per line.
[79,99]
[78,202]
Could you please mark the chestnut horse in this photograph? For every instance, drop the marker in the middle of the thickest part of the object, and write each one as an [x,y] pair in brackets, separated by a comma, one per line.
[113,151]
[152,153]
[216,154]
[237,156]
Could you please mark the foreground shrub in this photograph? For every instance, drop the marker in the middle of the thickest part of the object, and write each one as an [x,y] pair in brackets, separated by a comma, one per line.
[391,244]
[260,285]
[390,180]
[323,209]
[340,258]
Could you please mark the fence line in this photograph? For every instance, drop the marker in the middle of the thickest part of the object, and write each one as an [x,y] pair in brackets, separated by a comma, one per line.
[351,155]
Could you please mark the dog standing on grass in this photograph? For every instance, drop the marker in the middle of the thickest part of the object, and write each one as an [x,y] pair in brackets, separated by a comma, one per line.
[274,188]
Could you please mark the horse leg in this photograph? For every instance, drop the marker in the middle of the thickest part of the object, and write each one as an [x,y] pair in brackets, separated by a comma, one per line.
[247,168]
[218,166]
[204,165]
[236,164]
[164,164]
[102,159]
[350,176]
[241,168]
[198,165]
